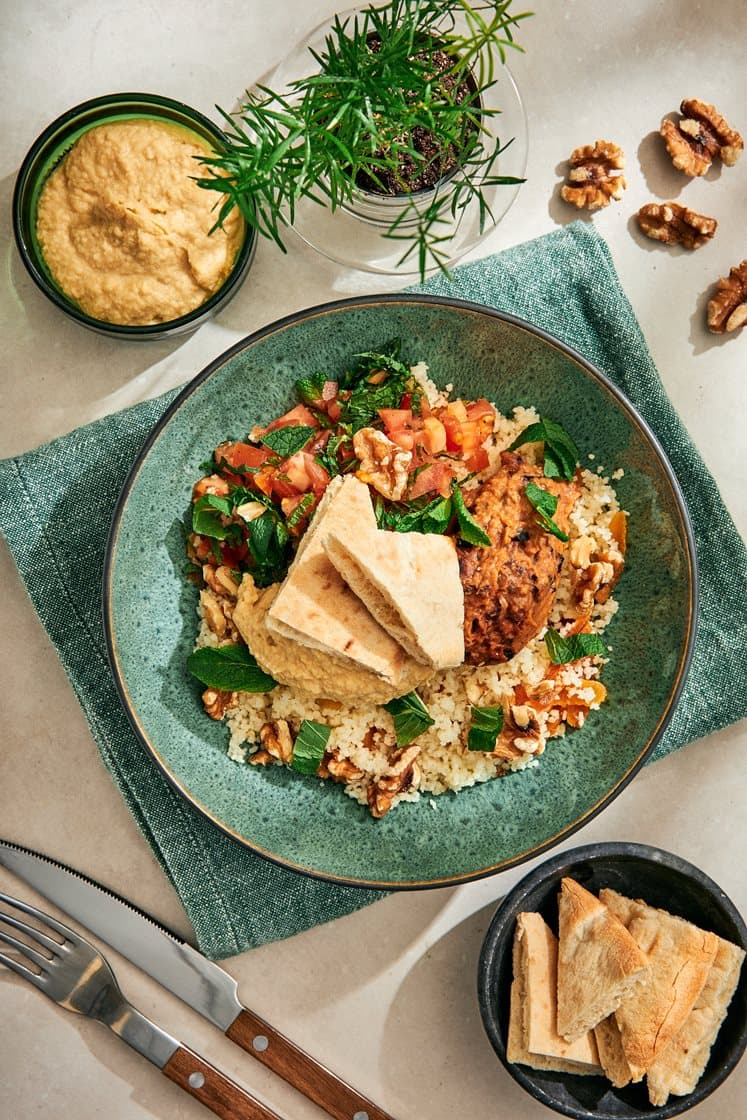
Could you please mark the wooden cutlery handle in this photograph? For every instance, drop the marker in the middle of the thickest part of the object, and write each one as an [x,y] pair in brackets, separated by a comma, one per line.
[300,1070]
[213,1089]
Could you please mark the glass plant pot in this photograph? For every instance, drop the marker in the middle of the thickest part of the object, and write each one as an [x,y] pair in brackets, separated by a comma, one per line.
[356,233]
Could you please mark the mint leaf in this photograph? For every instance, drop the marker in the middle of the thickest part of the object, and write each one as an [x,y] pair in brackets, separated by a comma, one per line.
[230,669]
[289,440]
[487,724]
[561,453]
[562,650]
[301,510]
[268,539]
[309,389]
[419,517]
[545,504]
[411,717]
[206,516]
[309,747]
[469,530]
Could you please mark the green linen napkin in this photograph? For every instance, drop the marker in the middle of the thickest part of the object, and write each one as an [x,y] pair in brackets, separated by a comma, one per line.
[565,282]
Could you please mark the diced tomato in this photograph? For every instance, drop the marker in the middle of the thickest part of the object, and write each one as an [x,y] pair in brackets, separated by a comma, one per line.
[282,487]
[395,419]
[233,557]
[304,473]
[318,475]
[211,484]
[476,410]
[457,409]
[334,411]
[298,415]
[435,476]
[200,546]
[241,455]
[453,429]
[434,432]
[473,435]
[264,480]
[478,461]
[320,441]
[403,439]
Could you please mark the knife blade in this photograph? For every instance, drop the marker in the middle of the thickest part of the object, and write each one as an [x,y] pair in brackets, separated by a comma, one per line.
[180,968]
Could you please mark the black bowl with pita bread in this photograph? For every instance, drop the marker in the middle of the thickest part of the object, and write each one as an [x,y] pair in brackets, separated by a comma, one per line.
[558,937]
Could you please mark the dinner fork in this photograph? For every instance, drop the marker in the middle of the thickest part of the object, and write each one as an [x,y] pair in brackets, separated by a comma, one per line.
[74,974]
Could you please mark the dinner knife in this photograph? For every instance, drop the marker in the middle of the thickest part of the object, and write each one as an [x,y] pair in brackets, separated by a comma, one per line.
[199,982]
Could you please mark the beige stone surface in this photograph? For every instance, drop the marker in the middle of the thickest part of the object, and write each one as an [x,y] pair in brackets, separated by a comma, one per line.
[401,1019]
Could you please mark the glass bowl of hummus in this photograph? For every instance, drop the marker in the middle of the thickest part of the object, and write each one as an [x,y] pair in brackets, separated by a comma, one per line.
[113,227]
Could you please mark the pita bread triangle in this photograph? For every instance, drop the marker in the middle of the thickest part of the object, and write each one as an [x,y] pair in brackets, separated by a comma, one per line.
[315,606]
[680,957]
[532,1036]
[410,584]
[599,962]
[679,1067]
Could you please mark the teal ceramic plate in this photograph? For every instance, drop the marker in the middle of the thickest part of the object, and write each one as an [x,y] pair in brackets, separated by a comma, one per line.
[312,826]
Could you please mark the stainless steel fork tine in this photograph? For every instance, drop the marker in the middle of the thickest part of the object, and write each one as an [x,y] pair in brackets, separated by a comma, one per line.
[45,919]
[21,969]
[27,950]
[79,978]
[31,931]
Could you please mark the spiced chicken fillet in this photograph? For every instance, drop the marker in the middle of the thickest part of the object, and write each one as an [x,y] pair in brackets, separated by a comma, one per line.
[510,587]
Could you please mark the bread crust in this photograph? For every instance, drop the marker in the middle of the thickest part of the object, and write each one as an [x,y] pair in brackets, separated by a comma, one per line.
[679,1067]
[680,956]
[599,962]
[532,1036]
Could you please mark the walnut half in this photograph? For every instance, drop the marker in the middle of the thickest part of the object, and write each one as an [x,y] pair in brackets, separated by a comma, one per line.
[699,137]
[595,175]
[403,774]
[383,464]
[727,308]
[216,702]
[675,225]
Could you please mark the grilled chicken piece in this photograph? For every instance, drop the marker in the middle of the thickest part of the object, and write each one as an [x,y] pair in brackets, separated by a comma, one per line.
[510,587]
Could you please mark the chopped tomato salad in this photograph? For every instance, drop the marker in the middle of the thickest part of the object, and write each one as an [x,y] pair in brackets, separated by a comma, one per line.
[261,491]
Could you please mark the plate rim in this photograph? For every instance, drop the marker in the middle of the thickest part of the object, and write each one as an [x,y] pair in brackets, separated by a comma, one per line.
[606,384]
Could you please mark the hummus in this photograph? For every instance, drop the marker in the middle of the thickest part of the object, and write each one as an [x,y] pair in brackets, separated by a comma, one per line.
[124,229]
[310,670]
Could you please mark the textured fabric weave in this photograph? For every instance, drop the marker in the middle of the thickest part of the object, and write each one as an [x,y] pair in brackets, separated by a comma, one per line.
[564,282]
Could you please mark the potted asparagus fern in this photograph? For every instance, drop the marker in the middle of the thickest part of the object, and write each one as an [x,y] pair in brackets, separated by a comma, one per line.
[393,127]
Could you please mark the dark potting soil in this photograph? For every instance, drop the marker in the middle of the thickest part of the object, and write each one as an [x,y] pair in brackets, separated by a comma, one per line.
[435,161]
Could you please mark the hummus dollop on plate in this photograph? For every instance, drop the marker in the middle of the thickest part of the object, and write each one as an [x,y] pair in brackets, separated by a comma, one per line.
[303,667]
[125,230]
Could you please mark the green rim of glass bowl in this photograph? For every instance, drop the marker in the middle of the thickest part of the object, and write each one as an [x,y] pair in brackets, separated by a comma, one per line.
[312,827]
[47,151]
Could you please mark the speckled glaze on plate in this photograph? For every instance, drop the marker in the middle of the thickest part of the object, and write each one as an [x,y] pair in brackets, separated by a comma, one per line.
[663,880]
[309,825]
